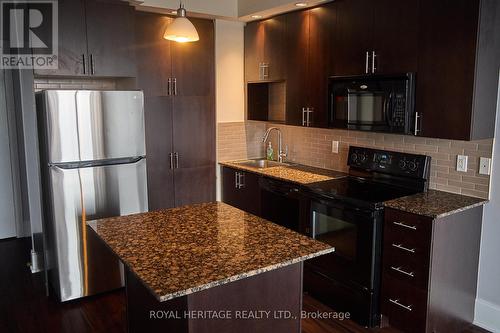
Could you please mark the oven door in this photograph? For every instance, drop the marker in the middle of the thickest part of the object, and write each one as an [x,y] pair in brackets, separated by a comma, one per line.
[356,236]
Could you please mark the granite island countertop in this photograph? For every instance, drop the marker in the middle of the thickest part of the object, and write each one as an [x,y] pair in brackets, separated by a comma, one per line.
[435,204]
[294,173]
[180,251]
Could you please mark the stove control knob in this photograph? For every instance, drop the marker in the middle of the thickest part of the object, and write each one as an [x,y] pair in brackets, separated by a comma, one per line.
[413,165]
[402,164]
[354,157]
[363,158]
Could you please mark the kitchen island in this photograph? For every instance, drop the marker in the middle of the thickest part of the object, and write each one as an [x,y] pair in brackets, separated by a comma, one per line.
[209,268]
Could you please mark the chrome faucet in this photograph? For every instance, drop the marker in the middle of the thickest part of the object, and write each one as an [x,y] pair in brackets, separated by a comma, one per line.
[281,154]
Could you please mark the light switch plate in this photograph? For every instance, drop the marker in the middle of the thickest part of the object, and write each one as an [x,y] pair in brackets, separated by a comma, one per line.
[462,163]
[484,166]
[335,147]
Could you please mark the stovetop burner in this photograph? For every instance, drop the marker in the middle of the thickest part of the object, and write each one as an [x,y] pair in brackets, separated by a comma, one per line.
[385,175]
[360,191]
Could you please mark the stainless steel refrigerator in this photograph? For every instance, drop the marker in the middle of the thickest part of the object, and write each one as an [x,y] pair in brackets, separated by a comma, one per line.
[93,160]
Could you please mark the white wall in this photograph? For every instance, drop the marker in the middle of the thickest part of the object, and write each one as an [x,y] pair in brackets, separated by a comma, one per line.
[229,58]
[229,77]
[488,296]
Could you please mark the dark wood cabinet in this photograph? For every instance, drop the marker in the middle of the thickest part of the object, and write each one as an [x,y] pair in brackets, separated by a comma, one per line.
[429,277]
[242,190]
[96,38]
[110,49]
[309,64]
[72,53]
[458,68]
[353,36]
[376,37]
[178,84]
[265,49]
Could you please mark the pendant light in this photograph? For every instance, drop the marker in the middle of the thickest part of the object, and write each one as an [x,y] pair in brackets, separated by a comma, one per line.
[181,30]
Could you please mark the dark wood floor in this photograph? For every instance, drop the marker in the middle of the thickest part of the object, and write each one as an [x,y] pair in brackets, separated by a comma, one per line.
[25,308]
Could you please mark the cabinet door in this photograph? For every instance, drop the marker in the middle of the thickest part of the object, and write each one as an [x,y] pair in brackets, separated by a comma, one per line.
[248,196]
[193,64]
[72,40]
[353,36]
[321,28]
[254,50]
[297,53]
[275,47]
[158,121]
[395,38]
[153,56]
[194,142]
[111,48]
[446,65]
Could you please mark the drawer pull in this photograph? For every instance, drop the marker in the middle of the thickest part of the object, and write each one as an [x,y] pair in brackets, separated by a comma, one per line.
[396,301]
[412,227]
[401,247]
[399,270]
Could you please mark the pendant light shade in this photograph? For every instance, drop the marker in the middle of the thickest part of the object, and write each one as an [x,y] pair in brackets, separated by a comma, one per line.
[181,29]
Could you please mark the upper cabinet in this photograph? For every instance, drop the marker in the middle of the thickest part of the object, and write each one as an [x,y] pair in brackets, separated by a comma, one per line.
[375,37]
[452,46]
[308,65]
[265,49]
[458,64]
[85,48]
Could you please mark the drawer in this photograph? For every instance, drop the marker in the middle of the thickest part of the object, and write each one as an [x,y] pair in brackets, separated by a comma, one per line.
[404,305]
[413,270]
[409,229]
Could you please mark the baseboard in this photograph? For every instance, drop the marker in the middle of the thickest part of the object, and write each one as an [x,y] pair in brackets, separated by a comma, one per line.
[487,315]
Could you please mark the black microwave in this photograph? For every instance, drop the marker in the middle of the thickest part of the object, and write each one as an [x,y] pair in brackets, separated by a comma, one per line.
[378,103]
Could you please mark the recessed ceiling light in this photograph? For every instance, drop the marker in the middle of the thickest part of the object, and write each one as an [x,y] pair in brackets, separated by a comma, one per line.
[301,4]
[256,16]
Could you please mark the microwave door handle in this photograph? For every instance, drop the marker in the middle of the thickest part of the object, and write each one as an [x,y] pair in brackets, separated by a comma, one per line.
[388,108]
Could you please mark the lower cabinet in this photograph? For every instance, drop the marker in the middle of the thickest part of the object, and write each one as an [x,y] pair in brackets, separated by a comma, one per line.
[429,273]
[241,189]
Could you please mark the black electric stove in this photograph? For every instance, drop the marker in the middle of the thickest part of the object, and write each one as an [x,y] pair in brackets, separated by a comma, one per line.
[348,214]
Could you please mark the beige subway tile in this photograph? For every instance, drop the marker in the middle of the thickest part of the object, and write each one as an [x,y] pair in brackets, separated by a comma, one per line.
[447,188]
[462,185]
[474,193]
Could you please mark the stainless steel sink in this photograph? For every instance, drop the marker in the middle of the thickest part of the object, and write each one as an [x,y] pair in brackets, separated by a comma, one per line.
[261,164]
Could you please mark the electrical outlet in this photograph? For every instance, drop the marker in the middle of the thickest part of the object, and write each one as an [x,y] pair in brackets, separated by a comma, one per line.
[484,166]
[462,163]
[335,147]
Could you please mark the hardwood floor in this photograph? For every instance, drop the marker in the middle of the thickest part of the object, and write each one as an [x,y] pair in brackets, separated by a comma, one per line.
[25,308]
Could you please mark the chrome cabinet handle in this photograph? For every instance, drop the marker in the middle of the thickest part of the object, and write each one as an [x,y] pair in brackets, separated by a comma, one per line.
[176,155]
[401,224]
[417,130]
[171,155]
[92,66]
[367,63]
[309,111]
[374,67]
[84,64]
[261,71]
[236,180]
[175,86]
[402,271]
[401,247]
[241,180]
[396,301]
[303,116]
[265,70]
[169,86]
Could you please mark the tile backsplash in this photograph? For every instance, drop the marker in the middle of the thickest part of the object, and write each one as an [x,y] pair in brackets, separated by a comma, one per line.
[313,146]
[73,83]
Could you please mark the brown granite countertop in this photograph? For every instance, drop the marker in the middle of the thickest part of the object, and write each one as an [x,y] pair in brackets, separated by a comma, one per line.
[295,173]
[179,251]
[435,204]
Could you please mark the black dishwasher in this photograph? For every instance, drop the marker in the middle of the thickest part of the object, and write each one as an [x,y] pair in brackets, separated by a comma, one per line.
[284,204]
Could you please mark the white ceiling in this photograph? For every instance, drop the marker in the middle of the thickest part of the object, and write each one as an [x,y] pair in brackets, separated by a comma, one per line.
[228,9]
